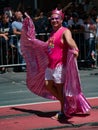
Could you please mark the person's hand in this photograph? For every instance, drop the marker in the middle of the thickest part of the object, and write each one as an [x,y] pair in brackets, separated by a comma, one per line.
[5,37]
[12,46]
[92,27]
[76,53]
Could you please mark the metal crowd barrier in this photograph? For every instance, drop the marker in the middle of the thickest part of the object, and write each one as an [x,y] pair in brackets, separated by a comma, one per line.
[96,52]
[10,57]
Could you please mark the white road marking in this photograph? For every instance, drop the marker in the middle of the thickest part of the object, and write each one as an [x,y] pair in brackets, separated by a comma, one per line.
[38,103]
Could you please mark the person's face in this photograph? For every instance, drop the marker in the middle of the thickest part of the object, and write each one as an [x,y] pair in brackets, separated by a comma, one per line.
[19,15]
[5,19]
[97,20]
[75,19]
[56,21]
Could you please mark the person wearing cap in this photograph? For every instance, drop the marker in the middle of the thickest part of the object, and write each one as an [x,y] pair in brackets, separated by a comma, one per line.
[52,66]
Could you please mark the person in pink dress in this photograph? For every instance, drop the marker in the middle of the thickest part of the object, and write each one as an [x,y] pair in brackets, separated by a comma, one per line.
[52,70]
[58,44]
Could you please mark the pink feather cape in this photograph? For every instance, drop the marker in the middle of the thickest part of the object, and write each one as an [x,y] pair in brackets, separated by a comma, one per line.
[35,54]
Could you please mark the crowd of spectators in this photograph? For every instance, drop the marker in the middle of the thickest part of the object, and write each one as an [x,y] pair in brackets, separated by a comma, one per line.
[80,17]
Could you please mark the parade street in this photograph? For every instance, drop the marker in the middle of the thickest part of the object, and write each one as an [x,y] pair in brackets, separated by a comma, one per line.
[22,110]
[13,89]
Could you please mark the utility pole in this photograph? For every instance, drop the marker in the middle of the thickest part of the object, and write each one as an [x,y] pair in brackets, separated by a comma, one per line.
[35,4]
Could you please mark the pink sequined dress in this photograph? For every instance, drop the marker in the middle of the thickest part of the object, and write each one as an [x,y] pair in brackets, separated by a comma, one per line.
[36,56]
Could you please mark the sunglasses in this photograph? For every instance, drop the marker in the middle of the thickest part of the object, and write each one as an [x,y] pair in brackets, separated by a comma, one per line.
[55,18]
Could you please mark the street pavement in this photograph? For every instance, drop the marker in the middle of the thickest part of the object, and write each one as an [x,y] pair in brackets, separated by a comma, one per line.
[22,110]
[38,117]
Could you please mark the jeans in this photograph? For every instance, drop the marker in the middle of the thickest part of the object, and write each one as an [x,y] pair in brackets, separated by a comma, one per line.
[91,42]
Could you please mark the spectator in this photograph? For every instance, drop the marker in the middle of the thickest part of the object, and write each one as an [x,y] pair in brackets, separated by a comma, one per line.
[75,24]
[97,28]
[86,5]
[5,31]
[65,21]
[90,31]
[41,22]
[93,13]
[17,26]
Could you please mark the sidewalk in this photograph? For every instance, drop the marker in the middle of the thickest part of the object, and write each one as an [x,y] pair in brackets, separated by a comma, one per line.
[38,117]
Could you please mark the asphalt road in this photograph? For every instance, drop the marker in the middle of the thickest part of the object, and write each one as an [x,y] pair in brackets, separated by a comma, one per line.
[13,89]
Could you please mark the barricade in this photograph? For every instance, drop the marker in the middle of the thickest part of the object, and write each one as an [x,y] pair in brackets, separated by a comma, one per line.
[10,55]
[88,48]
[97,52]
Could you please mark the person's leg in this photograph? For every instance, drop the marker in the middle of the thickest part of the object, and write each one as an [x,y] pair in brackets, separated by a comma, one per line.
[57,91]
[54,84]
[60,95]
[89,51]
[51,88]
[50,83]
[60,114]
[59,79]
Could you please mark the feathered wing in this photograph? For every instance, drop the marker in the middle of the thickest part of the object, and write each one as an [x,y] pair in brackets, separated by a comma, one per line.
[35,54]
[75,100]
